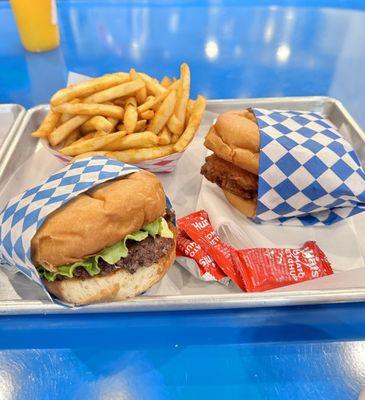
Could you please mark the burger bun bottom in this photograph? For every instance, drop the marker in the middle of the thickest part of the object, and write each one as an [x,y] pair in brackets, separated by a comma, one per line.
[245,206]
[119,285]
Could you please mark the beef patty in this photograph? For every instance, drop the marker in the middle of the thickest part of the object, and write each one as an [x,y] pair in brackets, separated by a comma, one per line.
[230,177]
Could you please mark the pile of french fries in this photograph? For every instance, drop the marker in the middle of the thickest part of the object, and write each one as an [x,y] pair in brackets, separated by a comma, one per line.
[131,117]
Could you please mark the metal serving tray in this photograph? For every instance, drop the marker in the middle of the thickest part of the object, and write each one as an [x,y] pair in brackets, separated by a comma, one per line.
[10,118]
[20,146]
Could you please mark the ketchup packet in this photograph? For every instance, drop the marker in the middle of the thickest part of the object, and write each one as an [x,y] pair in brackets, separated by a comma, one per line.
[208,269]
[199,229]
[270,268]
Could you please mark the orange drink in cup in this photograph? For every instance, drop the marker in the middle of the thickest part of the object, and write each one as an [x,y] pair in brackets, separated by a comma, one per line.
[37,24]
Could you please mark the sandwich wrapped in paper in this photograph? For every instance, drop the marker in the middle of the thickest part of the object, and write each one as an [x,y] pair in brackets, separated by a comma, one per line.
[97,230]
[286,167]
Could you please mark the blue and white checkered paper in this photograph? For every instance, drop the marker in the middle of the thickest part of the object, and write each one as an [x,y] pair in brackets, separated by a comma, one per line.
[25,213]
[309,174]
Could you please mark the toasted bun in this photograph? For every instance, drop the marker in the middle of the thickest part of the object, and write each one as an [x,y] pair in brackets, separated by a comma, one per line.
[245,206]
[235,137]
[119,285]
[98,218]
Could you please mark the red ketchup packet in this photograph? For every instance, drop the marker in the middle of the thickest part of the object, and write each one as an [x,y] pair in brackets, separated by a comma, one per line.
[270,268]
[199,229]
[208,269]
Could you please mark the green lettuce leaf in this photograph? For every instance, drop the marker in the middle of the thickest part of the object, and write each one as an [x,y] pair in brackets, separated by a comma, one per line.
[153,228]
[119,250]
[110,254]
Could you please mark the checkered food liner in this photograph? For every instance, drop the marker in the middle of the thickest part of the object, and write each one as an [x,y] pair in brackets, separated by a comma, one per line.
[25,213]
[309,174]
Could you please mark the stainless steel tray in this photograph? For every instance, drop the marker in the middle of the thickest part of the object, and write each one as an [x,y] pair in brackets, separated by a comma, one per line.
[10,118]
[20,146]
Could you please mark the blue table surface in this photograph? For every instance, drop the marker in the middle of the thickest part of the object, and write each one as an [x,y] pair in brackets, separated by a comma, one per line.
[235,49]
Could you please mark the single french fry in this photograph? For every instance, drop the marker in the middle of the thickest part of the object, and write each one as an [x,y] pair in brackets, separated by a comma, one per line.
[113,121]
[123,75]
[140,125]
[163,113]
[86,88]
[96,143]
[183,93]
[73,137]
[130,118]
[106,110]
[91,135]
[100,123]
[152,84]
[119,102]
[66,117]
[153,101]
[166,82]
[135,141]
[48,125]
[189,109]
[193,125]
[87,127]
[148,114]
[174,138]
[125,89]
[164,137]
[138,155]
[64,130]
[131,100]
[175,125]
[141,94]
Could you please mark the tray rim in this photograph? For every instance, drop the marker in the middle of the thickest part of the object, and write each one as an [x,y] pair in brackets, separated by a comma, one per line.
[186,301]
[190,302]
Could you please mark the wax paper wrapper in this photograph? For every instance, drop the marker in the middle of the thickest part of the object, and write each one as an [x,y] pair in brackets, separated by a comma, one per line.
[25,213]
[309,174]
[158,165]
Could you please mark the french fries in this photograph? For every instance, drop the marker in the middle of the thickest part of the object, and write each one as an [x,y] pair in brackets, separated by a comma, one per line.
[183,94]
[48,124]
[165,137]
[106,110]
[135,141]
[175,125]
[99,123]
[93,144]
[64,130]
[138,155]
[163,113]
[148,114]
[166,82]
[86,88]
[141,94]
[141,125]
[153,85]
[129,116]
[73,137]
[125,89]
[193,124]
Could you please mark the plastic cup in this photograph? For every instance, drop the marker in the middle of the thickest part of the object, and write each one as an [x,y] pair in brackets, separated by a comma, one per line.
[37,24]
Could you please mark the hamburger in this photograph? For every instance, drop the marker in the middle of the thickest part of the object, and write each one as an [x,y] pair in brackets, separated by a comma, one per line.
[110,243]
[234,164]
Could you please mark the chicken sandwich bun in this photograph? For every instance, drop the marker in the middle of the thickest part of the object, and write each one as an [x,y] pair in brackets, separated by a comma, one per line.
[235,142]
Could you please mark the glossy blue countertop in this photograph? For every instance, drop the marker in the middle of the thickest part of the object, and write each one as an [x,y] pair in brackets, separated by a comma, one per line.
[235,49]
